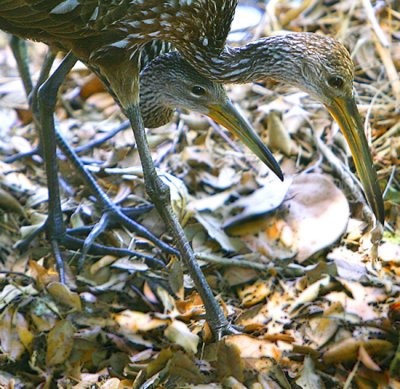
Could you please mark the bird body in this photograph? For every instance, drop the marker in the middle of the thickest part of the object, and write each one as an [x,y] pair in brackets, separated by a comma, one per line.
[88,27]
[108,35]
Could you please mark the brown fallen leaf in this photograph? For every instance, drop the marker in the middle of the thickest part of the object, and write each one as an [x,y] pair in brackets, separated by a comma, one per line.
[184,367]
[254,348]
[229,362]
[179,333]
[10,204]
[366,359]
[253,294]
[191,306]
[60,341]
[64,295]
[133,321]
[42,275]
[348,349]
[91,86]
[12,325]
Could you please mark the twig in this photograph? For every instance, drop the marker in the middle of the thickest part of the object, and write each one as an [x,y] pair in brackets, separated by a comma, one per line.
[17,273]
[389,183]
[390,68]
[374,23]
[232,262]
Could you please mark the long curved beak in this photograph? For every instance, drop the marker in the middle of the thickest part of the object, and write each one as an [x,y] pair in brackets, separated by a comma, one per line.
[345,112]
[229,117]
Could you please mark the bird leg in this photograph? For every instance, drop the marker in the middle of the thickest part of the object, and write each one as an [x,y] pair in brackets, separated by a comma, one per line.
[43,104]
[159,193]
[55,227]
[111,213]
[19,50]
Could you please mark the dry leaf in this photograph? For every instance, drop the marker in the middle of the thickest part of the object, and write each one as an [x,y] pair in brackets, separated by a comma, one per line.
[183,367]
[179,333]
[309,379]
[254,348]
[314,216]
[60,341]
[11,324]
[253,294]
[63,295]
[229,362]
[347,350]
[132,321]
[10,204]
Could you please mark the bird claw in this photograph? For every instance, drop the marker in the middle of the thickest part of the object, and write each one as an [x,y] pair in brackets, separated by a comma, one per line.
[67,239]
[229,329]
[117,216]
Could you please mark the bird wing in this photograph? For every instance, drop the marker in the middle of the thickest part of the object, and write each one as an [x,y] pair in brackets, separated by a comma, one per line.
[119,23]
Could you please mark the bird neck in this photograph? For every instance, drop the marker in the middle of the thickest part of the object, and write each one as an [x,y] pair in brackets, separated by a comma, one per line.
[153,107]
[276,57]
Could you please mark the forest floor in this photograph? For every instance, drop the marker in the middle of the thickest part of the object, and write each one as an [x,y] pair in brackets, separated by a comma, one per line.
[295,265]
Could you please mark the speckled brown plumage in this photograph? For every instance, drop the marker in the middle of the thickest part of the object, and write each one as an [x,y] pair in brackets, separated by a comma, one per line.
[109,34]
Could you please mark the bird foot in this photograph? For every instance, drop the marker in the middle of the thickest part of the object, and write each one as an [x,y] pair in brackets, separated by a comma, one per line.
[220,327]
[228,329]
[68,240]
[117,216]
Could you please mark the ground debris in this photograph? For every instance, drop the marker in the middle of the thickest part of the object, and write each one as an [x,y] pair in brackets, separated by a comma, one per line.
[291,263]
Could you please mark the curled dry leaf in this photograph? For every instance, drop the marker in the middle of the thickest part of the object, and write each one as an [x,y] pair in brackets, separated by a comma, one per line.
[42,275]
[322,329]
[348,350]
[260,202]
[10,204]
[311,292]
[253,294]
[279,138]
[133,322]
[179,333]
[64,295]
[191,306]
[366,359]
[179,194]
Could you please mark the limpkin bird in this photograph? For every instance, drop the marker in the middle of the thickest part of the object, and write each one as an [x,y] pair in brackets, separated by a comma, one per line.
[166,83]
[109,34]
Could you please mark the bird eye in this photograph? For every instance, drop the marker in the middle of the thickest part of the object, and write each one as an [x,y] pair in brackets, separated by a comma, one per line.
[198,91]
[335,82]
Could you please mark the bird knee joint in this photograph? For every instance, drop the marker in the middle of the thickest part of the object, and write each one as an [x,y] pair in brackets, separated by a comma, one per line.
[158,191]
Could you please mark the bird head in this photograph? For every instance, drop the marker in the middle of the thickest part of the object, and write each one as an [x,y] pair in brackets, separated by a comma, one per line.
[169,82]
[323,67]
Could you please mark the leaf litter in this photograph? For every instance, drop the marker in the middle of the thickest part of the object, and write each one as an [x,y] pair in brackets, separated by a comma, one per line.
[292,264]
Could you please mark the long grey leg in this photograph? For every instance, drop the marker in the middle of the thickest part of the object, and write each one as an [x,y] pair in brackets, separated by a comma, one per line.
[160,195]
